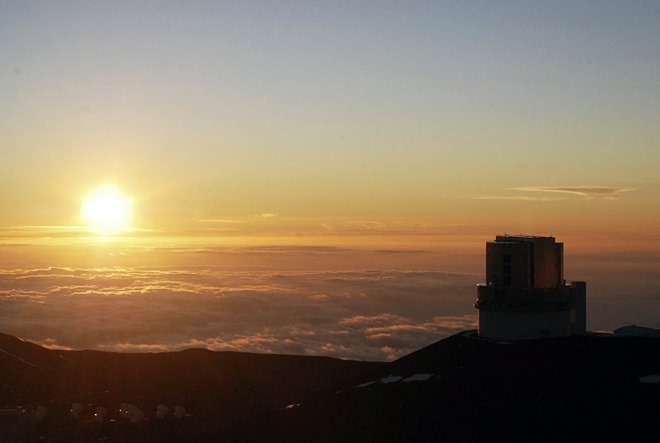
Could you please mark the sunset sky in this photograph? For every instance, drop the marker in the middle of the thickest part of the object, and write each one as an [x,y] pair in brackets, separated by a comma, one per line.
[327,136]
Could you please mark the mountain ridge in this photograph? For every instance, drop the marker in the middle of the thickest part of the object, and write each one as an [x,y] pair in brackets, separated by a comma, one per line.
[461,388]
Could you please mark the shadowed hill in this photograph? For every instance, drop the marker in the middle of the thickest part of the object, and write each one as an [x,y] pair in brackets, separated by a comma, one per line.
[462,388]
[223,391]
[468,389]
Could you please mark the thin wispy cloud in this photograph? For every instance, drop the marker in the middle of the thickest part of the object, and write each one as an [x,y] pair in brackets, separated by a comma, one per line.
[265,215]
[607,192]
[593,192]
[41,231]
[397,227]
[220,220]
[369,225]
[519,198]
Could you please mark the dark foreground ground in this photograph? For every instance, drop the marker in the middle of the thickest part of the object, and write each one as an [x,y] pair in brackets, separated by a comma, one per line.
[463,389]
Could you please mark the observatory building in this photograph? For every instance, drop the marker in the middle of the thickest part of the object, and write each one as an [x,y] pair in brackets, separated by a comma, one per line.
[526,295]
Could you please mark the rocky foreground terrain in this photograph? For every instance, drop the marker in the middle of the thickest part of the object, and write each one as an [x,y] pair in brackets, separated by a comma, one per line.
[462,388]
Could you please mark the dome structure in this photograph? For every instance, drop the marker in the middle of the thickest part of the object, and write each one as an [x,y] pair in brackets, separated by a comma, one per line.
[525,295]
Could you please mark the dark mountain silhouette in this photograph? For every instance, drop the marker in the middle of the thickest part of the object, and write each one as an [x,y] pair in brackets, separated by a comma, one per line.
[578,388]
[600,388]
[222,391]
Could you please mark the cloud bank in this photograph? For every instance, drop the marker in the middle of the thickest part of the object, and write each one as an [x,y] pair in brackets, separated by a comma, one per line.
[368,315]
[280,299]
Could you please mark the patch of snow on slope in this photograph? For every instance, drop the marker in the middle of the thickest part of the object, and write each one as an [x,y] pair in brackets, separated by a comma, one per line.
[390,379]
[418,377]
[395,378]
[653,378]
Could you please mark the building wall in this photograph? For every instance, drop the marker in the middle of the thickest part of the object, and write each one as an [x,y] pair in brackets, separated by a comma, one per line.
[514,325]
[525,262]
[546,259]
[579,307]
[525,295]
[509,264]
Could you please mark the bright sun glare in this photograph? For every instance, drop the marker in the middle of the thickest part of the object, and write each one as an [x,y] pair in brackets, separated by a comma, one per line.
[106,210]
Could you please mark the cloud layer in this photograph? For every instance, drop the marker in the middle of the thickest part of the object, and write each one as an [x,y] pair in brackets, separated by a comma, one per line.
[280,299]
[369,315]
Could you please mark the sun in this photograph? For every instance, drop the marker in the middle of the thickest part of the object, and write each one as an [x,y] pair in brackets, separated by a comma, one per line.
[106,210]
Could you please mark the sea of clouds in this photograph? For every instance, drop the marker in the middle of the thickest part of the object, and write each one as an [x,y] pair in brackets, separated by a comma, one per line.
[368,315]
[377,304]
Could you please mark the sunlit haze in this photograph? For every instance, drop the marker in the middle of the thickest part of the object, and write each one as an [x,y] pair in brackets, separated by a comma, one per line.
[317,177]
[106,210]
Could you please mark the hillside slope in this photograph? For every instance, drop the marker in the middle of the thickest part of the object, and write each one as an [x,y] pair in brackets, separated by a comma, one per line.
[594,388]
[459,389]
